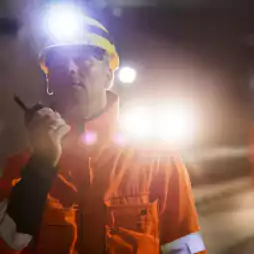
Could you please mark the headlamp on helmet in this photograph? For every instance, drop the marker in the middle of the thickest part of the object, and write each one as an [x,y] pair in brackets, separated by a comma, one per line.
[68,26]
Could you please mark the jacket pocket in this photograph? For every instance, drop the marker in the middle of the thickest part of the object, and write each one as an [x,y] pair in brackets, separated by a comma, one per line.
[58,232]
[132,229]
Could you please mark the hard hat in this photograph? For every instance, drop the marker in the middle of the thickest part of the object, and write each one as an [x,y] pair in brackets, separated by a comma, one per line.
[92,33]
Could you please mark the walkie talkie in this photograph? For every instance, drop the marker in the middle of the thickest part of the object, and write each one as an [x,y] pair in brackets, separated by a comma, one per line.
[29,112]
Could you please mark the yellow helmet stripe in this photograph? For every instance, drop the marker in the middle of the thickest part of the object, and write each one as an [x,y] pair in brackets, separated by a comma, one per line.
[93,22]
[90,40]
[99,31]
[95,35]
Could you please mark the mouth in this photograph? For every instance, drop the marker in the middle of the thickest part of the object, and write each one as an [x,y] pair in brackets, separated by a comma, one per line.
[76,83]
[78,86]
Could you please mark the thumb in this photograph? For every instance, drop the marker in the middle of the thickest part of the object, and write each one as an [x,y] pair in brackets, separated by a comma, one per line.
[62,130]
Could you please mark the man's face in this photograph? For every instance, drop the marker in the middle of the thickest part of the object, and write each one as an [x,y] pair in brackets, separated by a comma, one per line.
[78,76]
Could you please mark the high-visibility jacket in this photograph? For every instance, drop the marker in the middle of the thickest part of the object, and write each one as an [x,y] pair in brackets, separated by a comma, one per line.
[104,198]
[251,149]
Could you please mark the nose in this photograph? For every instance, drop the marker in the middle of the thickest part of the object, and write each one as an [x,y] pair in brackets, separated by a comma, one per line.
[72,66]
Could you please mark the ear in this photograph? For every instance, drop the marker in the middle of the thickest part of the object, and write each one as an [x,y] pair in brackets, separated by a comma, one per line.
[109,79]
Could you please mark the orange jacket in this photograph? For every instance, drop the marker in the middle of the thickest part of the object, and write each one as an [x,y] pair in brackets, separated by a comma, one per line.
[110,199]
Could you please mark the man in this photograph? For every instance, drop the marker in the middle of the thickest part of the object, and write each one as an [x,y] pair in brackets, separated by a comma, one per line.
[78,190]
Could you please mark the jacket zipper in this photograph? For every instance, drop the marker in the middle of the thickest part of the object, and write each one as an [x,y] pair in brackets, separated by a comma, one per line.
[81,189]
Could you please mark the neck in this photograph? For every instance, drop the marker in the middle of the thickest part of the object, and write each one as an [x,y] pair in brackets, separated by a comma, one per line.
[83,111]
[94,108]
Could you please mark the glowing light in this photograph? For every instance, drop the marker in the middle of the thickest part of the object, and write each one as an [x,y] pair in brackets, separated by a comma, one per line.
[175,124]
[119,139]
[89,138]
[137,122]
[127,75]
[64,22]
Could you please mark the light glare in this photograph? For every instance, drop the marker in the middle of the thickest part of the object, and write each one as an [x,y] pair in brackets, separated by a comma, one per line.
[127,75]
[172,123]
[137,122]
[64,22]
[89,138]
[175,124]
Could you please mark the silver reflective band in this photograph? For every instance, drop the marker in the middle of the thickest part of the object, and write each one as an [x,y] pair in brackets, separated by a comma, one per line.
[8,230]
[3,207]
[189,244]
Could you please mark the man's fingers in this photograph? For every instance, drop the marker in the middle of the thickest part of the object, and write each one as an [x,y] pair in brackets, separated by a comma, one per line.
[46,111]
[44,117]
[48,122]
[54,124]
[46,129]
[61,131]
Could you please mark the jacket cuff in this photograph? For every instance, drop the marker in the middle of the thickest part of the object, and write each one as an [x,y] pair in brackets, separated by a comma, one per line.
[11,239]
[28,197]
[189,244]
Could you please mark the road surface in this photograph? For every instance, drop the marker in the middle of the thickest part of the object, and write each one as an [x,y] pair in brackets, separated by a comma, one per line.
[226,213]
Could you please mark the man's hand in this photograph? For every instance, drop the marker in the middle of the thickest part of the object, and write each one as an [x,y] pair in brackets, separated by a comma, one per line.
[46,130]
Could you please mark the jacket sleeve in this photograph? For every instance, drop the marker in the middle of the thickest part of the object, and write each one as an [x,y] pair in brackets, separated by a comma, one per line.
[21,208]
[179,229]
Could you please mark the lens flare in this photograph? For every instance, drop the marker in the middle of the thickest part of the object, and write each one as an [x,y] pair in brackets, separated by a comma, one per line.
[89,138]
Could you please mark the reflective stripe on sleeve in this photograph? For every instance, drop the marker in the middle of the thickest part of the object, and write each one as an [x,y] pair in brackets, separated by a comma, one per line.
[189,244]
[8,230]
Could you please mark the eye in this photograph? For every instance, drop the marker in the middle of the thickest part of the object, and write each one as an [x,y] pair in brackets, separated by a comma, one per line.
[99,54]
[80,60]
[54,59]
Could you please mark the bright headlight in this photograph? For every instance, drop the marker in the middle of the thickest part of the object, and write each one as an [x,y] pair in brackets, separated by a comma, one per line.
[127,75]
[137,122]
[173,123]
[63,22]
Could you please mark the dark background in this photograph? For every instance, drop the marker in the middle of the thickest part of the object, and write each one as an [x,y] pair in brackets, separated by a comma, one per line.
[196,50]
